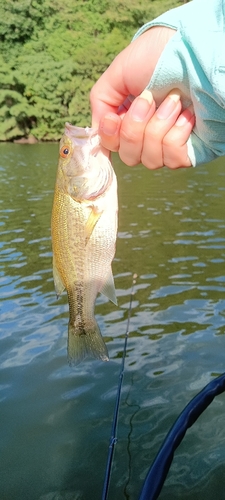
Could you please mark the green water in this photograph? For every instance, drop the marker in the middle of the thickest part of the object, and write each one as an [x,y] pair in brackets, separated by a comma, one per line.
[56,421]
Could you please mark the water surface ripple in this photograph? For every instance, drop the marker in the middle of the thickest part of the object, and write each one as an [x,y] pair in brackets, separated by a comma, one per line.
[56,421]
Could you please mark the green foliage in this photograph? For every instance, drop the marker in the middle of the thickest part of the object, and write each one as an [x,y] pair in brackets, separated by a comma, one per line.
[51,53]
[20,18]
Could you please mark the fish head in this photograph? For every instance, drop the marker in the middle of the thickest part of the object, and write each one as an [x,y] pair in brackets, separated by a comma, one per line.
[84,165]
[73,151]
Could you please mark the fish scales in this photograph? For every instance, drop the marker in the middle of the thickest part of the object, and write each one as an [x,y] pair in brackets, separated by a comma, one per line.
[84,229]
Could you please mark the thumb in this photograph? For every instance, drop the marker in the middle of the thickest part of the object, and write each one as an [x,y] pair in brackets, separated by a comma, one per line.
[109,92]
[129,73]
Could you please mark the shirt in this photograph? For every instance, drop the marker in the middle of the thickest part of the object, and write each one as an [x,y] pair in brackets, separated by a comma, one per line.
[194,62]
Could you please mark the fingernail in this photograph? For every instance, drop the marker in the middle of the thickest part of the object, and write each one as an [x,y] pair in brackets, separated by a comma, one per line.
[128,101]
[109,124]
[185,117]
[141,106]
[167,107]
[182,120]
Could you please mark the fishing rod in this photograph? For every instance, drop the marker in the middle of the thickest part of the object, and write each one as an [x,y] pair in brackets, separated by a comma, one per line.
[159,469]
[113,438]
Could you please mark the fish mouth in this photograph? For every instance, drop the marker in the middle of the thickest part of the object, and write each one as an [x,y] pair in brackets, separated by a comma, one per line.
[79,135]
[79,132]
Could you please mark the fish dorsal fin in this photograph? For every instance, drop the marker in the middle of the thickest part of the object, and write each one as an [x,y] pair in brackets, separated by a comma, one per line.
[108,288]
[59,286]
[91,223]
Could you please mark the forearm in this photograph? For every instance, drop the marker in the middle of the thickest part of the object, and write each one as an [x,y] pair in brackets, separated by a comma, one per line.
[193,61]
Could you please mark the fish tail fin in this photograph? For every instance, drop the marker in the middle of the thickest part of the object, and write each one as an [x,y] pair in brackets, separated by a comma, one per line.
[83,342]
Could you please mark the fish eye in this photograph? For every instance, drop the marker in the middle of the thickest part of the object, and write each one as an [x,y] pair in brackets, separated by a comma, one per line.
[64,151]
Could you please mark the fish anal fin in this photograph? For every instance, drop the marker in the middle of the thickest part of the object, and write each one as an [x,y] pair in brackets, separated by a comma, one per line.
[59,286]
[91,223]
[108,288]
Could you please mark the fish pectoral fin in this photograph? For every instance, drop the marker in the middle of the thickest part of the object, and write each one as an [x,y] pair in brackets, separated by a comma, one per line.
[108,288]
[59,286]
[91,223]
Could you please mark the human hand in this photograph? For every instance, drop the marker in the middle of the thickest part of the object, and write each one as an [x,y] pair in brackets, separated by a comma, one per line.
[144,134]
[140,134]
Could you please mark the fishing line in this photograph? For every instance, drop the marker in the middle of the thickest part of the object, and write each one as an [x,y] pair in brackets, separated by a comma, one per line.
[113,438]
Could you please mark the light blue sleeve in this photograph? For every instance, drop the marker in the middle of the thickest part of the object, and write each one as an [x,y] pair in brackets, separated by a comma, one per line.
[194,61]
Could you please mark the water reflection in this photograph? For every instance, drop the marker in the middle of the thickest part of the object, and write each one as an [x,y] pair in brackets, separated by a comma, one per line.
[56,421]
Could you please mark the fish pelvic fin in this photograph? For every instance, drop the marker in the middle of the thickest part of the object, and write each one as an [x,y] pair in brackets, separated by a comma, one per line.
[83,342]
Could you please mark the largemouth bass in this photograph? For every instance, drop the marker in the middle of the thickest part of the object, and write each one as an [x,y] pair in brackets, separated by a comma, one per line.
[84,229]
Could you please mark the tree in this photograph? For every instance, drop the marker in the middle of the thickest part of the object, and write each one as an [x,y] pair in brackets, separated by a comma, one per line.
[51,54]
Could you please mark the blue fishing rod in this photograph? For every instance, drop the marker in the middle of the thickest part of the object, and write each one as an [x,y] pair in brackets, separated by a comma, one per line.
[113,438]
